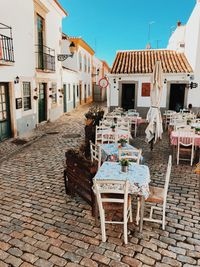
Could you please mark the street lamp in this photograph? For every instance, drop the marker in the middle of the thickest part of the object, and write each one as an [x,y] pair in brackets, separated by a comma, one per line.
[72,50]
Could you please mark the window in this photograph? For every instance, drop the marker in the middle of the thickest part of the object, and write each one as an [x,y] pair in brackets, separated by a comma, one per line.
[54,93]
[27,95]
[69,92]
[88,65]
[85,64]
[80,61]
[146,87]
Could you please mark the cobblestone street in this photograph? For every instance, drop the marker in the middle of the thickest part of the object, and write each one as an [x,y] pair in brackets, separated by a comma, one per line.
[42,226]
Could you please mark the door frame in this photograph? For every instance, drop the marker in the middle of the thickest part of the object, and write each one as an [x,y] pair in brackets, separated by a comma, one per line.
[169,90]
[120,92]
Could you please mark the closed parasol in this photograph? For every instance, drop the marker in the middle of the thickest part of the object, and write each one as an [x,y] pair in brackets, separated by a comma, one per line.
[154,129]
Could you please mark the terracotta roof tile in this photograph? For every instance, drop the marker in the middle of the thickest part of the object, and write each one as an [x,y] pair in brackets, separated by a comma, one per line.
[142,61]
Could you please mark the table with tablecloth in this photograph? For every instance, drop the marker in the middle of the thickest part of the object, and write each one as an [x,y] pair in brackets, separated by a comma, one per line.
[137,175]
[109,152]
[174,139]
[117,132]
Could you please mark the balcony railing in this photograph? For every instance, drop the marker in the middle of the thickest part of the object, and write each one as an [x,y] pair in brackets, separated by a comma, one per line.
[6,44]
[45,58]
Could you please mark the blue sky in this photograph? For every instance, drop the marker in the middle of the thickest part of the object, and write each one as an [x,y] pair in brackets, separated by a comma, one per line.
[111,25]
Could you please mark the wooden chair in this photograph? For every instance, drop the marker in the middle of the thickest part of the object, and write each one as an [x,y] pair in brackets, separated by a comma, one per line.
[110,193]
[95,153]
[185,144]
[157,196]
[130,154]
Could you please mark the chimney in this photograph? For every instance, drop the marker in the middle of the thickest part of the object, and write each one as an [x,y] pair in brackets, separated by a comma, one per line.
[179,23]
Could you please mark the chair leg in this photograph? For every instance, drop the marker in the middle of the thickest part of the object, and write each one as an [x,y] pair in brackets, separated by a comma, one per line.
[103,230]
[131,214]
[125,232]
[163,219]
[138,212]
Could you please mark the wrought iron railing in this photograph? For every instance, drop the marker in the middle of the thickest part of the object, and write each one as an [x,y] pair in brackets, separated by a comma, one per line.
[6,44]
[45,58]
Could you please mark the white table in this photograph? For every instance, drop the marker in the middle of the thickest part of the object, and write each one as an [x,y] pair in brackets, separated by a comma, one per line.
[138,176]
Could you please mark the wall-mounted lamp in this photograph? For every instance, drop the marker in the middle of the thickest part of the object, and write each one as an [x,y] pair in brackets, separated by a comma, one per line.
[165,80]
[191,85]
[16,80]
[72,49]
[96,74]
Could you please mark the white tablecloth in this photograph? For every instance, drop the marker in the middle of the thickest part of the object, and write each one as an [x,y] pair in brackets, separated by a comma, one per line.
[138,176]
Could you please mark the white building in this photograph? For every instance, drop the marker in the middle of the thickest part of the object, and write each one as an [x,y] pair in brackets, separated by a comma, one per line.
[77,73]
[187,39]
[30,75]
[130,79]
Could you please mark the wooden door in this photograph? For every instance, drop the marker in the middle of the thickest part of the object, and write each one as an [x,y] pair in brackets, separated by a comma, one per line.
[128,96]
[42,102]
[65,98]
[5,125]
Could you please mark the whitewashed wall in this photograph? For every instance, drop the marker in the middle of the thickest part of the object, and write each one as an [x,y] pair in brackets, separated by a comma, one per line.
[191,35]
[142,102]
[70,77]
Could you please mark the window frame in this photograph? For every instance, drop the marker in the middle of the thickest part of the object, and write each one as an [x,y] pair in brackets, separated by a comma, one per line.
[26,96]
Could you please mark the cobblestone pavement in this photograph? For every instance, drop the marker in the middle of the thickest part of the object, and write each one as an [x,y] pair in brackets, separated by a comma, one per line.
[42,226]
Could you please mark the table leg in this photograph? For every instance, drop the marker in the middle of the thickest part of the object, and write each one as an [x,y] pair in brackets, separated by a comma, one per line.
[141,213]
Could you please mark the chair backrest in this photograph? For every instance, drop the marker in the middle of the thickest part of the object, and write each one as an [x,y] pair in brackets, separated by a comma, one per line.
[109,138]
[123,125]
[95,153]
[186,137]
[125,134]
[112,188]
[130,154]
[99,133]
[167,177]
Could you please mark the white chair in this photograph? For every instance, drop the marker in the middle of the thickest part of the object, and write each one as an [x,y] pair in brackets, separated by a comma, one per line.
[123,135]
[123,125]
[99,134]
[185,143]
[95,153]
[157,196]
[110,193]
[109,138]
[130,154]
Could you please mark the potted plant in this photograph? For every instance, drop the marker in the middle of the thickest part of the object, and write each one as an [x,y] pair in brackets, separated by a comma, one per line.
[188,122]
[197,130]
[122,141]
[124,165]
[112,127]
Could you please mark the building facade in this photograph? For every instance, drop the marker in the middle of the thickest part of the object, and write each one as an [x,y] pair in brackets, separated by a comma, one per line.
[187,39]
[30,75]
[130,79]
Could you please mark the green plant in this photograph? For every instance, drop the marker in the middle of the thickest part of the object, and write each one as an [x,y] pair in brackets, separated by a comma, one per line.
[122,140]
[124,162]
[197,129]
[112,126]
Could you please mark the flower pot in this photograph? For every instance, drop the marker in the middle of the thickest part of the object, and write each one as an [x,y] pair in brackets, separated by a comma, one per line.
[124,169]
[113,129]
[123,144]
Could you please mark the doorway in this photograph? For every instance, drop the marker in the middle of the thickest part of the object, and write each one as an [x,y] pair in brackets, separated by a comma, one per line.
[65,98]
[85,93]
[74,96]
[5,124]
[42,103]
[80,92]
[128,96]
[177,96]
